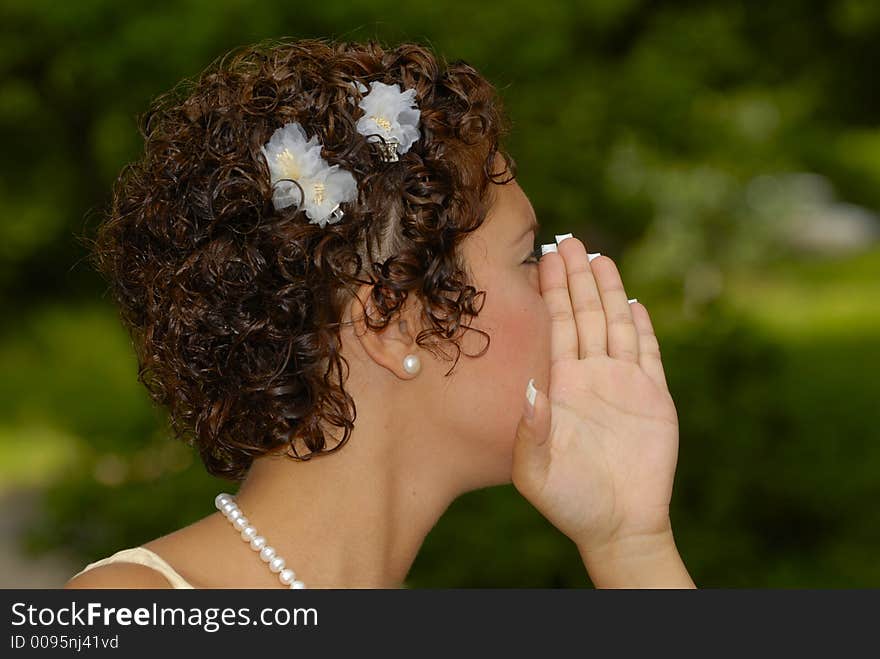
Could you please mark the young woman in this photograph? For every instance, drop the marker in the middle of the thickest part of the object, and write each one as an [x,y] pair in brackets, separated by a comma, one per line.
[328,270]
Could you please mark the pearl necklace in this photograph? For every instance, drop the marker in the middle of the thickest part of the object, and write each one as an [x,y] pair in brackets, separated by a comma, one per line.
[225,503]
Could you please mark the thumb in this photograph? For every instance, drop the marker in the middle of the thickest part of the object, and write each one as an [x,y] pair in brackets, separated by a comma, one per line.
[531,449]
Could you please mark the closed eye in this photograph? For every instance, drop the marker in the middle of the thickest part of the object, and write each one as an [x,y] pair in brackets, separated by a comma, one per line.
[535,256]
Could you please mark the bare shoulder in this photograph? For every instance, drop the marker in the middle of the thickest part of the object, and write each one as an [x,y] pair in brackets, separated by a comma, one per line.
[119,575]
[176,549]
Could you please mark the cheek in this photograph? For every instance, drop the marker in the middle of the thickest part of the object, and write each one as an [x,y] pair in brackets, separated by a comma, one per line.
[516,317]
[523,331]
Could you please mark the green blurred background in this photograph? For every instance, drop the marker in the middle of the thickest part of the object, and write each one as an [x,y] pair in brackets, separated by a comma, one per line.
[728,158]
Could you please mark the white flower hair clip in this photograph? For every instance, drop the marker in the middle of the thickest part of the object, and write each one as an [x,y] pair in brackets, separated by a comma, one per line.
[390,114]
[300,176]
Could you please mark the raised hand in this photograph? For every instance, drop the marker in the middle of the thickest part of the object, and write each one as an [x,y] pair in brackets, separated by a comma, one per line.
[598,456]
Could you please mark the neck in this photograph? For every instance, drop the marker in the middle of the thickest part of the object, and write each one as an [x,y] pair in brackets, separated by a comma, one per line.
[354,518]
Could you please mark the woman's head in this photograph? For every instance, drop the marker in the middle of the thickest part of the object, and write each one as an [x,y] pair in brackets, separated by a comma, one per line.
[238,311]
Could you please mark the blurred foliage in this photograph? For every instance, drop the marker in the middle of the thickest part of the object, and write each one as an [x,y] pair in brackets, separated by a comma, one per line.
[727,155]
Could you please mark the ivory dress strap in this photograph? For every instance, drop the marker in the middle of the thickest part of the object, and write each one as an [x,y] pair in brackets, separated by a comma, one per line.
[143,556]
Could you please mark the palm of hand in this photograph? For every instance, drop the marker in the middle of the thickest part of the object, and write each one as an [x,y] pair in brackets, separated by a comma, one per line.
[614,442]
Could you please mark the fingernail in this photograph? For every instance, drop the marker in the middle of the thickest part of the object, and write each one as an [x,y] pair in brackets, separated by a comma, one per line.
[531,392]
[635,299]
[559,239]
[590,257]
[548,248]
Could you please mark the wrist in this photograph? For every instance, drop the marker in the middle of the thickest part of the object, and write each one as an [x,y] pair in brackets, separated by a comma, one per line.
[643,560]
[646,537]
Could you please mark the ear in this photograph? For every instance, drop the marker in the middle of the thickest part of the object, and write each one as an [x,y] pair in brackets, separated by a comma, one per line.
[387,347]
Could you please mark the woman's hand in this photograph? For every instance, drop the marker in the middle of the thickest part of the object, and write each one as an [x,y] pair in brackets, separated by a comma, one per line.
[598,456]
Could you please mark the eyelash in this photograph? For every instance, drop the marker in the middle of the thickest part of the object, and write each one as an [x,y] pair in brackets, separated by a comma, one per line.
[535,256]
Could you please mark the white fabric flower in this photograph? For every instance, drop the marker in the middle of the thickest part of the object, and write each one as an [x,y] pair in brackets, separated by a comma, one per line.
[391,114]
[292,157]
[325,191]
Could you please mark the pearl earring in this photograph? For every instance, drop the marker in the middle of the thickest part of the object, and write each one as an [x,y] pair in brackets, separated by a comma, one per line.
[412,364]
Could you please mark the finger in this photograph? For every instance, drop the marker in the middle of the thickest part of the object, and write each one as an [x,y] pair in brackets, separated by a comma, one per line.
[532,448]
[554,290]
[586,304]
[649,347]
[623,340]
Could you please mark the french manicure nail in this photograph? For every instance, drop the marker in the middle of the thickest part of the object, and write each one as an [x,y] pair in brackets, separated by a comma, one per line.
[550,247]
[590,257]
[559,239]
[635,299]
[531,392]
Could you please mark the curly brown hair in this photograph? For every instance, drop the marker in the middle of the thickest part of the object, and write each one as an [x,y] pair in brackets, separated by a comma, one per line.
[234,307]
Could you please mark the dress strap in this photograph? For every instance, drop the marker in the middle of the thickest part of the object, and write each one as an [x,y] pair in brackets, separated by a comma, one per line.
[142,556]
